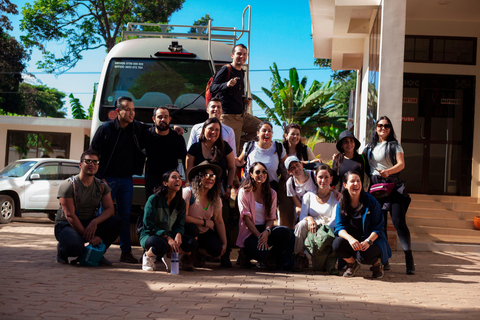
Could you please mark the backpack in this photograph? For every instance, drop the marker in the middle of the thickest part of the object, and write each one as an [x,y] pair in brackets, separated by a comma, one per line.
[278,147]
[208,93]
[312,174]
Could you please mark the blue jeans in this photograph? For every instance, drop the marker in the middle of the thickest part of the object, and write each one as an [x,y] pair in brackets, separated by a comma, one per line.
[122,191]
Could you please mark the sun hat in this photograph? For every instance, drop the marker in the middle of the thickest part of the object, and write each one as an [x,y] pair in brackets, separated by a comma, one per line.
[290,160]
[202,166]
[347,134]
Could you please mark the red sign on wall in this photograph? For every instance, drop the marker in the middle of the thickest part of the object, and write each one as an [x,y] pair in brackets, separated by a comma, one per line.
[410,100]
[408,119]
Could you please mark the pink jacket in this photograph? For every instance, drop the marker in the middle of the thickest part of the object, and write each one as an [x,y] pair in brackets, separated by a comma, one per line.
[246,206]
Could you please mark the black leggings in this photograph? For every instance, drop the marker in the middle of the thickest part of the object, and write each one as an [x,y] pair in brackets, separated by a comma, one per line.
[278,239]
[398,213]
[344,250]
[160,245]
[208,240]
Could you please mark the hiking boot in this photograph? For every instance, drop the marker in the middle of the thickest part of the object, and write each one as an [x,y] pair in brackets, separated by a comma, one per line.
[105,262]
[300,263]
[377,270]
[386,266]
[128,257]
[225,260]
[187,262]
[244,259]
[352,268]
[409,262]
[148,263]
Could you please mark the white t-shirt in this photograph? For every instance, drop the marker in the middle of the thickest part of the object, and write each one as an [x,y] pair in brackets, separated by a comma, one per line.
[268,157]
[227,135]
[380,160]
[259,213]
[301,189]
[322,213]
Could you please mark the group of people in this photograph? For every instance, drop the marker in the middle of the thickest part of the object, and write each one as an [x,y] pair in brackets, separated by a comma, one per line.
[309,196]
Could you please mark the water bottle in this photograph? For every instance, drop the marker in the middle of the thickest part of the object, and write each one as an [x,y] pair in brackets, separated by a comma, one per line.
[174,263]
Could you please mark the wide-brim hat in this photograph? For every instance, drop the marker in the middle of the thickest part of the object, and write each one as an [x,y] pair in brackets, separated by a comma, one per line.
[202,166]
[347,134]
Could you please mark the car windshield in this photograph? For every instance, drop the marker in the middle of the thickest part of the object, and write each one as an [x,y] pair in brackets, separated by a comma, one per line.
[17,169]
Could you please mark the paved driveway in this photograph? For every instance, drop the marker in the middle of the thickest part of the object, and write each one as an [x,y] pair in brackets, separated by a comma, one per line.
[34,286]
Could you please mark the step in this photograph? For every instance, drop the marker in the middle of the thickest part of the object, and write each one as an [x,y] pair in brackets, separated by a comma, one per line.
[442,242]
[444,231]
[458,206]
[440,222]
[439,198]
[442,214]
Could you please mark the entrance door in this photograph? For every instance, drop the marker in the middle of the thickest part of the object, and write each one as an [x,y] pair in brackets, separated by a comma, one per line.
[437,132]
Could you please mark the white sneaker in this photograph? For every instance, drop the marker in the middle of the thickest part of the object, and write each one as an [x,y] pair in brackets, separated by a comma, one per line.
[148,263]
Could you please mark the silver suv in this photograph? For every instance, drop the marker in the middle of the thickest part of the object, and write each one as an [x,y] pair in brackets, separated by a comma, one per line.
[32,185]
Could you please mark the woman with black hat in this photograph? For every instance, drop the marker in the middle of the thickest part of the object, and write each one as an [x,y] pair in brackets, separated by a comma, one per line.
[348,158]
[204,212]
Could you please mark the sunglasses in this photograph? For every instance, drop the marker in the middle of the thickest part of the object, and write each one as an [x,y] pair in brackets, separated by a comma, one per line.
[90,161]
[257,172]
[210,176]
[386,126]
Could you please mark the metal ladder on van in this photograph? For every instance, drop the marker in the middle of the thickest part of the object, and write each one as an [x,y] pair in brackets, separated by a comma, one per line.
[222,34]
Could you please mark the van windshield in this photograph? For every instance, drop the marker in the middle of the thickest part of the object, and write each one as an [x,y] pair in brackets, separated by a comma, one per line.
[173,83]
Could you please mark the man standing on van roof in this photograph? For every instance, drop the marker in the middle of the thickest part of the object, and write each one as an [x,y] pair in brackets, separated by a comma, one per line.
[229,87]
[117,142]
[214,110]
[164,146]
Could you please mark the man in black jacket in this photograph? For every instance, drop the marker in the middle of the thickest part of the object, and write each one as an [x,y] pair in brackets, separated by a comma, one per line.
[117,142]
[229,86]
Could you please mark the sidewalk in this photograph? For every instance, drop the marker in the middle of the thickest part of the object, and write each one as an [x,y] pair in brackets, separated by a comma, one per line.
[34,286]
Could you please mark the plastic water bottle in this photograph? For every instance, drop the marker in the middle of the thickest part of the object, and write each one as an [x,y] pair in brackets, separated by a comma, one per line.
[174,264]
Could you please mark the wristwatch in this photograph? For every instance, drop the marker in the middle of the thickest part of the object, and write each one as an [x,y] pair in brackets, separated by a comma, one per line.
[370,242]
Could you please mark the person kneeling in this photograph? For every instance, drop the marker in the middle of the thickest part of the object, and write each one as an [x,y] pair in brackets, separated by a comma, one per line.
[164,224]
[359,229]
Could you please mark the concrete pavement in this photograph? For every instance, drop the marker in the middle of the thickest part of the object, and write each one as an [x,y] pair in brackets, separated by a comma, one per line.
[34,286]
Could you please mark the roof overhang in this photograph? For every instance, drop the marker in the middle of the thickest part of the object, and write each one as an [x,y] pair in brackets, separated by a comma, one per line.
[339,29]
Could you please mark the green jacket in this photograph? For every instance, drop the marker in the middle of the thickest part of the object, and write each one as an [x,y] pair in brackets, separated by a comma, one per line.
[159,219]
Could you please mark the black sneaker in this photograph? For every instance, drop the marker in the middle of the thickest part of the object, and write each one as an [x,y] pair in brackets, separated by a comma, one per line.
[386,266]
[128,258]
[352,268]
[105,262]
[225,260]
[377,271]
[244,259]
[61,258]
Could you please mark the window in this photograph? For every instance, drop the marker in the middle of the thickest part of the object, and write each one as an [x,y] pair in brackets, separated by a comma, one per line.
[432,49]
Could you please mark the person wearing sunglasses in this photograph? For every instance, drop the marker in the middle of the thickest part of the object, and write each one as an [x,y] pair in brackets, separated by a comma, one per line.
[77,221]
[258,238]
[386,159]
[204,213]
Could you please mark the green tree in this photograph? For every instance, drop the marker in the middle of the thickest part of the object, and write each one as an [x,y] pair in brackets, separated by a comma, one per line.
[85,25]
[42,101]
[203,21]
[12,62]
[293,103]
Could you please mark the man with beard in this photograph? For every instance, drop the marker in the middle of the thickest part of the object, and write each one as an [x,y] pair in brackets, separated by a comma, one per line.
[117,143]
[164,147]
[77,221]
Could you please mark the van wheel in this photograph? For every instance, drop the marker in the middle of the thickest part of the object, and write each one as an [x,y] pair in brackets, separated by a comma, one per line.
[7,208]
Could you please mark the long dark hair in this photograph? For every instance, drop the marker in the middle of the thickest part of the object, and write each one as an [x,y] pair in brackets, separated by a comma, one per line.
[212,195]
[249,185]
[162,190]
[392,156]
[300,146]
[219,145]
[345,202]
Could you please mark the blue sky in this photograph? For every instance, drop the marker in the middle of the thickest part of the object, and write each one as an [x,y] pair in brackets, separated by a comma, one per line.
[281,33]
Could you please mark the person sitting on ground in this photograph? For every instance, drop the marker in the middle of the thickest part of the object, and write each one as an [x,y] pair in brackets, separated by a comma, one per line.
[164,223]
[204,214]
[76,221]
[359,226]
[318,209]
[258,238]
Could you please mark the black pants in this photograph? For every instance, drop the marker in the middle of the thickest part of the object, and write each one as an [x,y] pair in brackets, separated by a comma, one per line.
[278,239]
[72,243]
[344,250]
[160,245]
[209,240]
